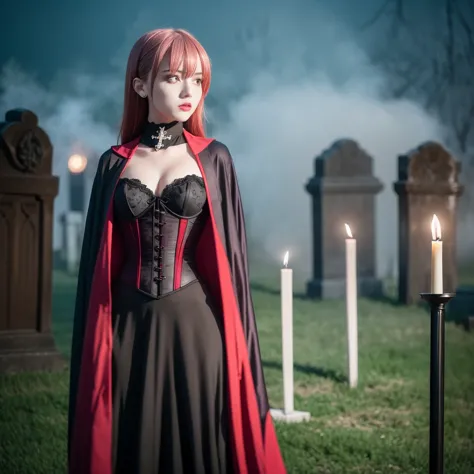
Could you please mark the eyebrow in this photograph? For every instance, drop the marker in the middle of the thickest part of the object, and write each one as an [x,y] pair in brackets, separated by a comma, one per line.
[182,72]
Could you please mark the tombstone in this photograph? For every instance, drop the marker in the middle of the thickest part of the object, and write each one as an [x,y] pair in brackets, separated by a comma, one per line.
[427,184]
[27,192]
[343,190]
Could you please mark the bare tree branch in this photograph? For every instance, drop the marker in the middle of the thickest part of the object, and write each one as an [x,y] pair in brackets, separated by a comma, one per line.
[468,29]
[450,41]
[437,66]
[378,14]
[400,9]
[462,124]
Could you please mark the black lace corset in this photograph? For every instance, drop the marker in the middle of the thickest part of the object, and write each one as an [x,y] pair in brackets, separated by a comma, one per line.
[184,197]
[160,232]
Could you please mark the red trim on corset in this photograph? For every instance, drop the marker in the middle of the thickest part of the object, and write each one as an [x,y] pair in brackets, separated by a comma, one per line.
[178,260]
[138,249]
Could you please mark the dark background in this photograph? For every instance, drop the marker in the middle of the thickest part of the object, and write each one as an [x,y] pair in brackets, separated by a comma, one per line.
[289,77]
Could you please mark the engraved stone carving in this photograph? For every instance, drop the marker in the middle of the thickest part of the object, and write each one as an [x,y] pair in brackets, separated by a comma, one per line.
[28,153]
[27,192]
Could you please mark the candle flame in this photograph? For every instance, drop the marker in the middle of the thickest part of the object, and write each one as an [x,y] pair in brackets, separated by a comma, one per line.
[348,231]
[77,163]
[435,228]
[285,259]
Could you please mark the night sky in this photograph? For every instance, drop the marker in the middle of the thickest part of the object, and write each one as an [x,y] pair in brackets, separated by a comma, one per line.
[56,34]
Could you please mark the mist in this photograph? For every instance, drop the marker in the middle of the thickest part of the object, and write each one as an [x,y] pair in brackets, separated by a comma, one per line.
[284,88]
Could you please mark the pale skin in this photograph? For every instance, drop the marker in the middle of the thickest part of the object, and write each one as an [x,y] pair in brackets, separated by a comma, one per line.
[156,169]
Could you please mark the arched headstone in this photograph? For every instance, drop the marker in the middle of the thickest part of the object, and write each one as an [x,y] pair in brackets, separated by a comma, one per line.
[343,190]
[427,184]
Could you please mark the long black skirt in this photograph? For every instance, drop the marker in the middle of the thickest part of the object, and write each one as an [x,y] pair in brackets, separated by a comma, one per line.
[169,384]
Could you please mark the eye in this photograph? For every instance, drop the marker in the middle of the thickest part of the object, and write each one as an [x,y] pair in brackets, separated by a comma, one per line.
[199,81]
[172,79]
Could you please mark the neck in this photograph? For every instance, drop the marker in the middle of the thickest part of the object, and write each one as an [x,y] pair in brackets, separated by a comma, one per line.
[155,117]
[157,120]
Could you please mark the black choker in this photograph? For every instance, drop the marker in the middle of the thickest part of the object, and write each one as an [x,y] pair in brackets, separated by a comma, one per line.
[162,135]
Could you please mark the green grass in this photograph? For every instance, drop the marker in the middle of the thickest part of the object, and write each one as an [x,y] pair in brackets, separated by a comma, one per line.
[380,427]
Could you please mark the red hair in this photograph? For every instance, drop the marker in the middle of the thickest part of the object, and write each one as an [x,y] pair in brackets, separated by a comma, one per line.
[144,59]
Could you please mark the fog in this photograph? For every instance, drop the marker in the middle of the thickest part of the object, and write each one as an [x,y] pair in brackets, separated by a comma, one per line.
[285,87]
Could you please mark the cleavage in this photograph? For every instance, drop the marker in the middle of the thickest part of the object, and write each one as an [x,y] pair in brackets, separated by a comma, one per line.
[175,182]
[167,187]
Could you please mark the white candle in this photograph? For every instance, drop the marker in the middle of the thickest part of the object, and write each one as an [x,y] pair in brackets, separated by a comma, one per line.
[351,307]
[287,334]
[436,257]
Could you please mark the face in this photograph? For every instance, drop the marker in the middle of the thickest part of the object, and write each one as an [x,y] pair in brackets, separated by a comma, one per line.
[174,97]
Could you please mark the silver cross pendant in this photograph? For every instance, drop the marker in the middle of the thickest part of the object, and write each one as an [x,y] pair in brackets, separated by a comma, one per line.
[161,136]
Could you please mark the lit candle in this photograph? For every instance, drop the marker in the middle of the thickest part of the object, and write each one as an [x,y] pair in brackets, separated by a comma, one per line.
[287,334]
[77,163]
[351,307]
[436,257]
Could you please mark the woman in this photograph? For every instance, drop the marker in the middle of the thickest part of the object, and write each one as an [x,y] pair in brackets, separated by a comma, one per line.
[166,374]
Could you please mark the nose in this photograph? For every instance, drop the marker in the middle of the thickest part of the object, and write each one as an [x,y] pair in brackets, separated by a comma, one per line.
[186,90]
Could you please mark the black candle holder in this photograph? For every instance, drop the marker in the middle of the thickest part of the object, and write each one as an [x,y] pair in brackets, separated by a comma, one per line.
[437,304]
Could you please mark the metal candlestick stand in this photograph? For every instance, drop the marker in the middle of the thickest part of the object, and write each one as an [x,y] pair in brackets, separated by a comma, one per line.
[437,304]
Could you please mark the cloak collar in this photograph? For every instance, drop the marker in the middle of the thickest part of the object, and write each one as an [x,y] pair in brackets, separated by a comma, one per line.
[127,150]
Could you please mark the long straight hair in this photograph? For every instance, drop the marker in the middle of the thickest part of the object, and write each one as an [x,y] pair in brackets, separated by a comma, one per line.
[144,61]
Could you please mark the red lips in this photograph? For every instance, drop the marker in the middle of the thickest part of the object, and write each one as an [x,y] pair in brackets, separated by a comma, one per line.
[187,106]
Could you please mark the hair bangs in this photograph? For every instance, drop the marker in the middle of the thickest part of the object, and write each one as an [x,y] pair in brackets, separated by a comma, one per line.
[183,53]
